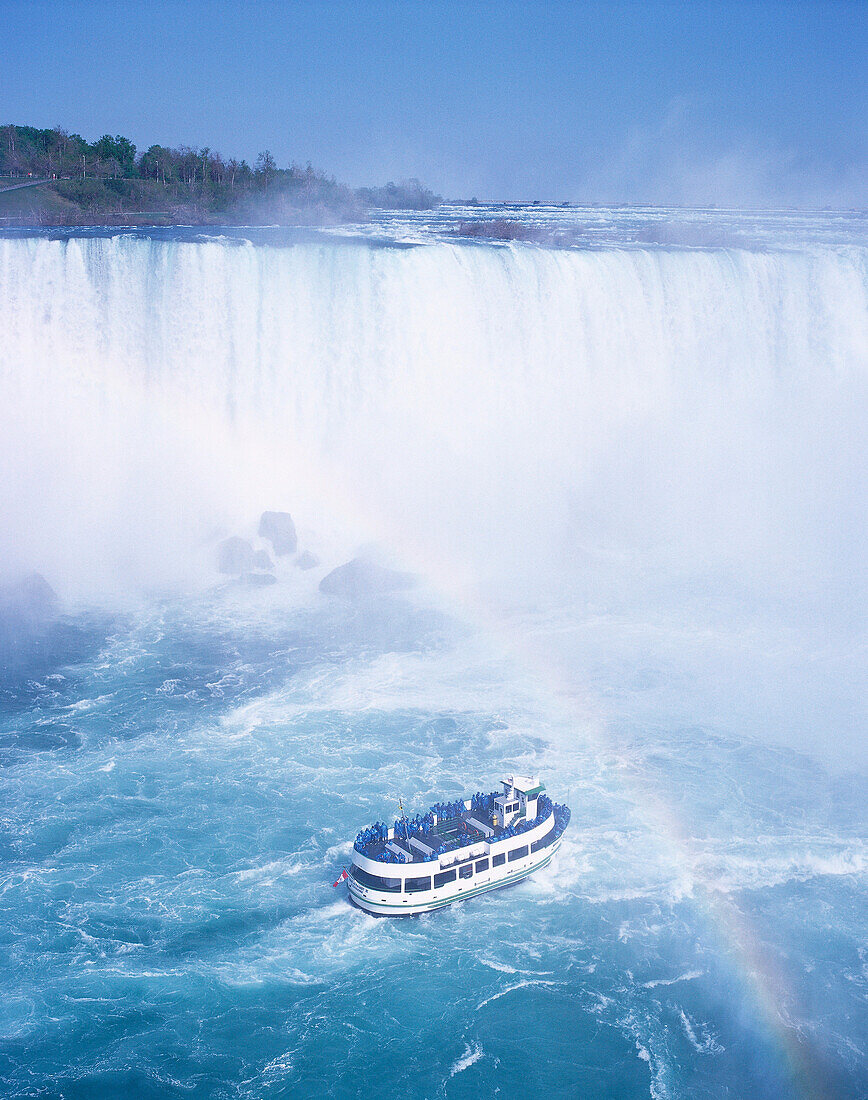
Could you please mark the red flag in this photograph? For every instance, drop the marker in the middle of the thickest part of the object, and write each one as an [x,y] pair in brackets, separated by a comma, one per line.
[343,876]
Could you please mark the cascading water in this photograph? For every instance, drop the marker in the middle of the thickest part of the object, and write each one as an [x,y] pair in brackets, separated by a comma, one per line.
[632,479]
[474,406]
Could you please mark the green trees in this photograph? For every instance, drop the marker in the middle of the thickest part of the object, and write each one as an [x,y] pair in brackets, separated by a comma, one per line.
[118,155]
[110,177]
[266,166]
[55,153]
[408,195]
[156,164]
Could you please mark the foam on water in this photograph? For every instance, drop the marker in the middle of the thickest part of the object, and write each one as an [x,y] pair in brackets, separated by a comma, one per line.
[628,475]
[467,1059]
[479,407]
[203,863]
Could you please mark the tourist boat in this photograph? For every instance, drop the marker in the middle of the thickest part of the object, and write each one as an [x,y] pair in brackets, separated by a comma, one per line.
[456,850]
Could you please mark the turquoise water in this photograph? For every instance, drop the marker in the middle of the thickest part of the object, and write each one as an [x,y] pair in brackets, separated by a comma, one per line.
[179,796]
[624,461]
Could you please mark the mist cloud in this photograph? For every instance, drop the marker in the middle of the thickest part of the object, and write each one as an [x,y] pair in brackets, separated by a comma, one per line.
[679,160]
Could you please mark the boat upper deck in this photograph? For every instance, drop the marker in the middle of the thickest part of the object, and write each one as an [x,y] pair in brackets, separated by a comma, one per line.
[461,831]
[450,827]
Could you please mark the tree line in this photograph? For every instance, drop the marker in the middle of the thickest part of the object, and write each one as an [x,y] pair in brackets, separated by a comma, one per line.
[111,173]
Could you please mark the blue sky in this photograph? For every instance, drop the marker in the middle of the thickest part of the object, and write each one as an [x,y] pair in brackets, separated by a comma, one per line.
[735,102]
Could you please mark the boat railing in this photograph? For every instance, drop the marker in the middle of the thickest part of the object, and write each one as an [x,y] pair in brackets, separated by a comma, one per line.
[486,830]
[415,844]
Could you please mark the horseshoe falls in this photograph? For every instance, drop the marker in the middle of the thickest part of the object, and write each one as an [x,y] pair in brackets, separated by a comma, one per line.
[629,478]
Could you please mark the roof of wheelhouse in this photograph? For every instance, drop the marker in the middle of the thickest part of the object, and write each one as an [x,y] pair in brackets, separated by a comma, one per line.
[526,784]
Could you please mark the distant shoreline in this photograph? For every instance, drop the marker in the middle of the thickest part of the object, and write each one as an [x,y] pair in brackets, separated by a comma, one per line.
[54,178]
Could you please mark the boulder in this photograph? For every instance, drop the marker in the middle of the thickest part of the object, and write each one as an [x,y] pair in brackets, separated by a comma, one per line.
[361,577]
[279,529]
[28,601]
[261,560]
[235,556]
[307,560]
[257,580]
[28,610]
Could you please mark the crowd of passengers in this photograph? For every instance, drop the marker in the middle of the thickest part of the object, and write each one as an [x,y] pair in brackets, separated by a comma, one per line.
[421,827]
[562,819]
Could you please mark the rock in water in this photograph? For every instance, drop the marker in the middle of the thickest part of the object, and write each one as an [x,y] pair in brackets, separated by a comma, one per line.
[279,529]
[235,556]
[361,577]
[261,560]
[257,580]
[28,602]
[307,560]
[28,608]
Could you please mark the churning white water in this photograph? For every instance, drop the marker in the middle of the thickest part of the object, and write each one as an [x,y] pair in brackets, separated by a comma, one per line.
[622,424]
[482,409]
[633,478]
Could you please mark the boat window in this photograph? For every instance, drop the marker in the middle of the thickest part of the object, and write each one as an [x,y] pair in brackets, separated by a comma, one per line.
[481,865]
[466,871]
[517,853]
[416,884]
[375,882]
[543,842]
[443,878]
[498,861]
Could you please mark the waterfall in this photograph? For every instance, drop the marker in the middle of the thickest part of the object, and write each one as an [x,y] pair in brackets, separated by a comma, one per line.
[504,411]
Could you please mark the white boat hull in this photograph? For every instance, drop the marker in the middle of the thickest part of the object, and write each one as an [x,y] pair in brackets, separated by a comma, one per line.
[392,905]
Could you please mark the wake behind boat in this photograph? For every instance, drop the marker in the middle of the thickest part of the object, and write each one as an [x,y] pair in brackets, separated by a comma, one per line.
[456,850]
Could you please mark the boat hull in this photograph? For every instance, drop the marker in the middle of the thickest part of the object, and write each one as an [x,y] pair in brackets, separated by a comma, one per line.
[404,906]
